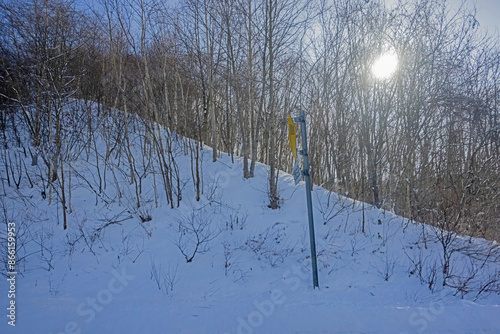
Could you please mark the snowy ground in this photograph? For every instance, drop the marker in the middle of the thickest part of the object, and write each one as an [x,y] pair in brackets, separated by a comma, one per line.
[252,276]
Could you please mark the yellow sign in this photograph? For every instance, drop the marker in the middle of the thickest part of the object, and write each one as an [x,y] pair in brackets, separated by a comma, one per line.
[291,136]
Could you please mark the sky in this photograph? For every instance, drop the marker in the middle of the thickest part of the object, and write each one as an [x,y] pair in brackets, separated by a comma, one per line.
[488,13]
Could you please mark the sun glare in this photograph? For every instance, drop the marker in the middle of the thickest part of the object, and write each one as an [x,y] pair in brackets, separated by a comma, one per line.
[385,66]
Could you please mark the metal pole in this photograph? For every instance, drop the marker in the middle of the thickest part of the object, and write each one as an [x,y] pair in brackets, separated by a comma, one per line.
[305,172]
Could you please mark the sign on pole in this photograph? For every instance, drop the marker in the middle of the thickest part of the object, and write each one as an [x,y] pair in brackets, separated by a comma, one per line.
[292,138]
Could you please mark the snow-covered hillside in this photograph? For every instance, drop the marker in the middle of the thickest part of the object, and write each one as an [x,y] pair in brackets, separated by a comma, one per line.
[123,269]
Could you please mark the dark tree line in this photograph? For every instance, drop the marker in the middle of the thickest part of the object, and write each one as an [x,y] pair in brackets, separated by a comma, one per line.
[424,143]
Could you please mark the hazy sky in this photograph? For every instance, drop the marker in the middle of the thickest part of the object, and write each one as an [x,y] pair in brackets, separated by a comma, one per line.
[488,12]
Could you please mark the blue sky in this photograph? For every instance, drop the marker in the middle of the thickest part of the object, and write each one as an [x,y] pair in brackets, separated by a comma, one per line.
[488,11]
[489,14]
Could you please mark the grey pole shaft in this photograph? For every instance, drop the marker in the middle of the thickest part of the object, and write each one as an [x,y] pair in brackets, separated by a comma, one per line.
[305,172]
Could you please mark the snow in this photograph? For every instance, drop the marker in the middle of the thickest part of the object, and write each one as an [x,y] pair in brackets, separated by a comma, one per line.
[254,276]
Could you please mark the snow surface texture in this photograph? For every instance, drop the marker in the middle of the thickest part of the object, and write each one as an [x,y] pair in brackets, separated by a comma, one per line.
[110,272]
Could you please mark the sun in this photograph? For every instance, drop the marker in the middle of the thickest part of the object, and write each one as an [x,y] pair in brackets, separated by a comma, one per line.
[385,66]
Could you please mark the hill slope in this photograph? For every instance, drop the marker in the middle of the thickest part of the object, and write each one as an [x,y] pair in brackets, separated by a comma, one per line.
[114,270]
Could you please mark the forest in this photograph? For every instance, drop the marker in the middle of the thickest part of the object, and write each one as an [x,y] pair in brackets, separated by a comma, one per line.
[424,143]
